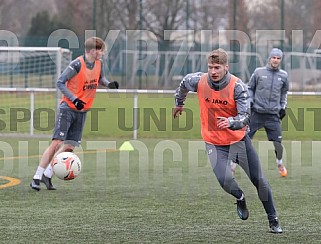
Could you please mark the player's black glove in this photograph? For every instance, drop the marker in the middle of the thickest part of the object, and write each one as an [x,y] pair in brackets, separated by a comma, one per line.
[282,113]
[177,111]
[113,85]
[79,104]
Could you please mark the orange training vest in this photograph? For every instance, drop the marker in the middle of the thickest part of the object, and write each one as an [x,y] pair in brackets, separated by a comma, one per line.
[214,104]
[84,84]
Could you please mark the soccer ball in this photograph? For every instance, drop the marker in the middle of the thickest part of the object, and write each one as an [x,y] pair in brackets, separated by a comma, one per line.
[66,166]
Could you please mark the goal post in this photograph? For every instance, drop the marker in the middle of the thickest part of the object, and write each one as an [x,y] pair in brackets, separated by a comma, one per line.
[28,91]
[32,67]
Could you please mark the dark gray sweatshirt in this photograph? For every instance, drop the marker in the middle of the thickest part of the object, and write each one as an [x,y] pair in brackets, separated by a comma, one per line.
[268,89]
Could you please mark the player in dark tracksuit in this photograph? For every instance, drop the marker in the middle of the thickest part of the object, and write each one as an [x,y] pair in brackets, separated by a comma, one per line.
[268,87]
[224,114]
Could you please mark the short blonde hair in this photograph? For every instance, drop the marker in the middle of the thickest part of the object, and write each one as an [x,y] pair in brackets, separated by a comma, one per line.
[94,43]
[218,56]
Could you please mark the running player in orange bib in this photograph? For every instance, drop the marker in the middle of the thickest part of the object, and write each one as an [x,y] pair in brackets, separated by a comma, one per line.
[78,84]
[224,115]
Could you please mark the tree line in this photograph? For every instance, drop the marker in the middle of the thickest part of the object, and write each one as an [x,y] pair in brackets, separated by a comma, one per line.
[36,19]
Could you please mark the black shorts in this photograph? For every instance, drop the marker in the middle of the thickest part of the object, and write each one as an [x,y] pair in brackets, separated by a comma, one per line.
[69,126]
[270,122]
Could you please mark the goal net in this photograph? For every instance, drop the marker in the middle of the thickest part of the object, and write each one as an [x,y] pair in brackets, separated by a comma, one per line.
[29,97]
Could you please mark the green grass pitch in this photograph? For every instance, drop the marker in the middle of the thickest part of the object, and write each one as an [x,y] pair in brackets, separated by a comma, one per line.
[165,190]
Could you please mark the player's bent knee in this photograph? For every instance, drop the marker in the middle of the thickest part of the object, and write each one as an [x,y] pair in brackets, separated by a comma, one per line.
[56,144]
[69,150]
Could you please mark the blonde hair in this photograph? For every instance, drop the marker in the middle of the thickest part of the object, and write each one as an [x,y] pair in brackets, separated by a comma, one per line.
[94,43]
[218,56]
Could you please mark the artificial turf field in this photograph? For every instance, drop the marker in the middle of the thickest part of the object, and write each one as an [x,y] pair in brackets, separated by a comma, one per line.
[162,192]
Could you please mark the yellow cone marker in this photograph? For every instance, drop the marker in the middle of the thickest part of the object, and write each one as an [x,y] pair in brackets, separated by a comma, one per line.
[126,146]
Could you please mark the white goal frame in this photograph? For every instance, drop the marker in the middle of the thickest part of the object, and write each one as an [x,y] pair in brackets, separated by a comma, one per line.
[30,70]
[58,50]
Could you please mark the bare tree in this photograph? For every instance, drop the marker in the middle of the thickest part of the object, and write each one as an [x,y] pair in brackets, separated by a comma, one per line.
[209,17]
[238,15]
[316,6]
[296,15]
[128,13]
[163,15]
[265,15]
[81,19]
[15,16]
[115,15]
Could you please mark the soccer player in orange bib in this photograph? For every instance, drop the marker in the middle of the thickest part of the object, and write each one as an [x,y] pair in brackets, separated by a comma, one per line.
[78,84]
[224,115]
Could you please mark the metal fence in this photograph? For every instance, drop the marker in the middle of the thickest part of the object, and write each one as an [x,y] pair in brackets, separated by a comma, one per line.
[164,70]
[136,69]
[30,112]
